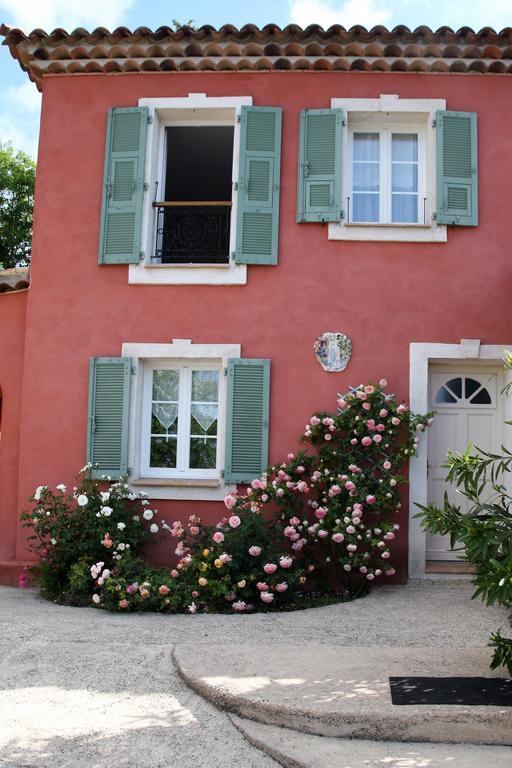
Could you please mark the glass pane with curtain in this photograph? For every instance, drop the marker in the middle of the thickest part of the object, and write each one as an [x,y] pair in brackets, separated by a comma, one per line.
[404,178]
[365,177]
[204,411]
[164,418]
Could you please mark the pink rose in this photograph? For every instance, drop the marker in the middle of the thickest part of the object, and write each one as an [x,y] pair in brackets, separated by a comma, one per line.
[369,389]
[320,513]
[298,545]
[371,499]
[383,413]
[338,537]
[314,420]
[254,551]
[282,587]
[262,586]
[300,469]
[234,521]
[390,572]
[380,428]
[328,436]
[366,440]
[239,606]
[302,486]
[361,395]
[280,492]
[370,576]
[349,485]
[387,465]
[342,404]
[255,483]
[174,574]
[267,597]
[230,501]
[294,521]
[363,569]
[366,406]
[370,423]
[383,383]
[351,529]
[289,531]
[347,567]
[124,603]
[377,438]
[335,489]
[322,534]
[286,561]
[194,530]
[402,408]
[353,441]
[385,555]
[395,422]
[164,589]
[351,547]
[389,536]
[270,568]
[218,537]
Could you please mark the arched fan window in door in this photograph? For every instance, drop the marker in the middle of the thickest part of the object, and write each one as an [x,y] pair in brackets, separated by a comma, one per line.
[463,390]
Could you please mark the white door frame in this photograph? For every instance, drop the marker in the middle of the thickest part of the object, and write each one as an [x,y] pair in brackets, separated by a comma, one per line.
[421,356]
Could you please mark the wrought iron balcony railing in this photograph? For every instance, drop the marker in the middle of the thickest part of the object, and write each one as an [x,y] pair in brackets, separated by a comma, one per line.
[192,232]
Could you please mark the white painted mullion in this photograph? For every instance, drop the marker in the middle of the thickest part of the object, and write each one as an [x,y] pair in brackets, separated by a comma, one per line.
[145,447]
[385,177]
[183,419]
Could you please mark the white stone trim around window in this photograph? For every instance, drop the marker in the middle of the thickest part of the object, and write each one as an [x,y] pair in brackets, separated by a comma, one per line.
[421,357]
[385,111]
[195,109]
[212,486]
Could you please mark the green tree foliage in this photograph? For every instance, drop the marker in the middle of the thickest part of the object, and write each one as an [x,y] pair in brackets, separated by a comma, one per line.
[17,176]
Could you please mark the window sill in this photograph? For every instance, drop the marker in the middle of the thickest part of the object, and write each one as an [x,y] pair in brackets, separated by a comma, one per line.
[177,482]
[392,233]
[187,274]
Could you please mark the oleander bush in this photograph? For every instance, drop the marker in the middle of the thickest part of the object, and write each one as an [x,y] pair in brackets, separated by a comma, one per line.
[323,519]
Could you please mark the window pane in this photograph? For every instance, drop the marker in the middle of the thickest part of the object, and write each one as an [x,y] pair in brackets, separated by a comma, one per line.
[166,385]
[404,147]
[365,207]
[366,177]
[203,419]
[405,177]
[203,453]
[404,209]
[163,452]
[456,387]
[443,396]
[366,146]
[164,418]
[481,398]
[205,386]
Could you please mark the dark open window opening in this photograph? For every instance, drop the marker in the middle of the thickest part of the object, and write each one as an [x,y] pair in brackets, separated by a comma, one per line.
[193,222]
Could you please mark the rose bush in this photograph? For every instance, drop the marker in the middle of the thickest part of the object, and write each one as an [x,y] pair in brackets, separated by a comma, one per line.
[325,516]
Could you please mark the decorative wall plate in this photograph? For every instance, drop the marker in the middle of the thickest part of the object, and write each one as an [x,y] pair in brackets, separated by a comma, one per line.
[333,351]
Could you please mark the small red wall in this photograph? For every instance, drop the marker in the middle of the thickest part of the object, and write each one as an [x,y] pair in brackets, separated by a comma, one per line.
[12,341]
[383,295]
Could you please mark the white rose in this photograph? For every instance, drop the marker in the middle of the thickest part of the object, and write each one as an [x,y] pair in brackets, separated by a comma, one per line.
[121,546]
[135,518]
[154,528]
[105,496]
[121,526]
[39,490]
[106,511]
[62,487]
[106,574]
[82,500]
[96,599]
[147,514]
[53,541]
[145,502]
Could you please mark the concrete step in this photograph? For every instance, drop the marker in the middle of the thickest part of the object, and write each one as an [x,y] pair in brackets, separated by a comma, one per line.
[343,692]
[300,750]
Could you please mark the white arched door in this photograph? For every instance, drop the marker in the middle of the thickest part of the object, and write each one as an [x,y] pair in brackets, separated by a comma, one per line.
[469,409]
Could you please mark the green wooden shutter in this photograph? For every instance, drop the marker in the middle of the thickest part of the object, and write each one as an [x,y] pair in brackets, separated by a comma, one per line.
[123,186]
[247,419]
[258,186]
[109,405]
[319,181]
[457,173]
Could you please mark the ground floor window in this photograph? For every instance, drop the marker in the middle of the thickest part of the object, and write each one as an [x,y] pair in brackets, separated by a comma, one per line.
[180,419]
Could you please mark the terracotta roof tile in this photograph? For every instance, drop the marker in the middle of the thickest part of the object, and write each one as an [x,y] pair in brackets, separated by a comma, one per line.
[252,48]
[14,279]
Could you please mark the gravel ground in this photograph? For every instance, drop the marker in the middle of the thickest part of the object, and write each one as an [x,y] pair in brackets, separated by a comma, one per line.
[84,688]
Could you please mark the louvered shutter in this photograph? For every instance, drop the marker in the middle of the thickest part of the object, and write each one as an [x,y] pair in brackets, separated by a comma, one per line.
[319,180]
[109,403]
[457,172]
[123,186]
[258,186]
[247,419]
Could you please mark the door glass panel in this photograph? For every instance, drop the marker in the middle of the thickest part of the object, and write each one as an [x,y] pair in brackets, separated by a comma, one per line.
[481,398]
[470,387]
[203,419]
[443,396]
[455,385]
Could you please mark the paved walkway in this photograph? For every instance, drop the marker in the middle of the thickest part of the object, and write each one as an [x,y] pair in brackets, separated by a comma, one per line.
[81,687]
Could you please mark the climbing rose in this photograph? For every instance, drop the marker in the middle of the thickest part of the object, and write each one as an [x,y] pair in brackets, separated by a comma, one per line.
[82,500]
[239,606]
[124,603]
[267,597]
[218,537]
[230,501]
[254,551]
[270,567]
[234,521]
[285,561]
[164,589]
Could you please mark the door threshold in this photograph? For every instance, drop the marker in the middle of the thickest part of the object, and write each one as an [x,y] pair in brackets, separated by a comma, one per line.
[448,566]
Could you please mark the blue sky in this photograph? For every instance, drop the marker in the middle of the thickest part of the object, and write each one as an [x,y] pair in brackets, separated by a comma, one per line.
[20,103]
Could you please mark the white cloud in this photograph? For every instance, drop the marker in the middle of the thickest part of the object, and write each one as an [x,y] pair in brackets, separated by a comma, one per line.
[348,13]
[49,14]
[20,108]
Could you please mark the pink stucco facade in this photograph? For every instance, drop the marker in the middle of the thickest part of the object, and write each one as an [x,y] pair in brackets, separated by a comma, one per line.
[383,295]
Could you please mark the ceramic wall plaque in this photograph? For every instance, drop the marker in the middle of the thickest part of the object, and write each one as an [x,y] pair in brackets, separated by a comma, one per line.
[333,350]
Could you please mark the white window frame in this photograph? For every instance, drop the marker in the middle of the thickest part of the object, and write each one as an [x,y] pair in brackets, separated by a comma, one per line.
[385,171]
[389,112]
[185,369]
[197,109]
[197,485]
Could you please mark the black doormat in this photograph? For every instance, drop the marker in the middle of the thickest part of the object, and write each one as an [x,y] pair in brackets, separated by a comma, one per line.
[468,691]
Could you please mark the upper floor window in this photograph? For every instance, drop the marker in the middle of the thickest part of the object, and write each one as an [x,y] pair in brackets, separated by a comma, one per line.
[386,176]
